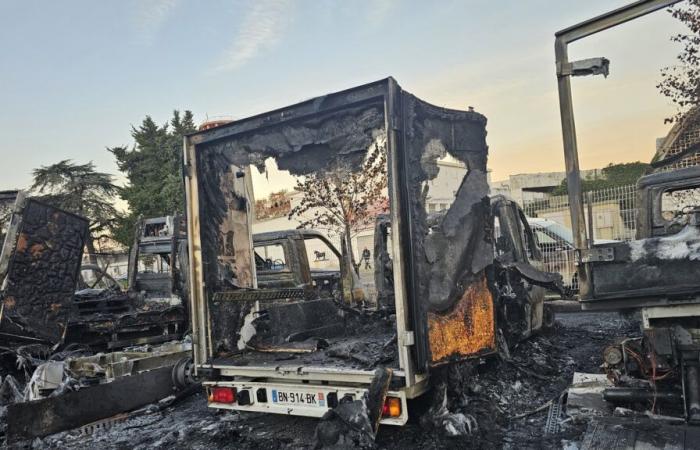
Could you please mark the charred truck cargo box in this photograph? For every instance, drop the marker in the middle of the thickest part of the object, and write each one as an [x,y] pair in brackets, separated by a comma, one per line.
[437,275]
[39,269]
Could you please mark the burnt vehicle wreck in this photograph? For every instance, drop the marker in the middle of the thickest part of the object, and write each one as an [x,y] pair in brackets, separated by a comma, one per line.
[448,287]
[657,274]
[160,247]
[46,300]
[53,318]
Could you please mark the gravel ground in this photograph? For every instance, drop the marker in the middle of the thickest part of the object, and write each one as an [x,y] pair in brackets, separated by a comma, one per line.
[497,394]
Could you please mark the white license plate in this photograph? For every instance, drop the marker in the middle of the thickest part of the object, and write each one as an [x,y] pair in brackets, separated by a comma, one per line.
[298,398]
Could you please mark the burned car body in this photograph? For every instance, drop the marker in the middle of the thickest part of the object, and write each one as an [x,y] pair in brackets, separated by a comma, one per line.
[661,266]
[295,269]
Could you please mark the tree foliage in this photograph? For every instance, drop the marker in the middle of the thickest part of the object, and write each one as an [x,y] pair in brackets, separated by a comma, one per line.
[80,189]
[153,170]
[342,200]
[614,175]
[681,82]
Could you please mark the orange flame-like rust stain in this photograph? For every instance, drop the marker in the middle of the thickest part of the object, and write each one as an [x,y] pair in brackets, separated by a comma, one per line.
[468,330]
[36,250]
[22,242]
[9,302]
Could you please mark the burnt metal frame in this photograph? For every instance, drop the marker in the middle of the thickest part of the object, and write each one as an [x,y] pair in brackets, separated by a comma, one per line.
[387,92]
[573,175]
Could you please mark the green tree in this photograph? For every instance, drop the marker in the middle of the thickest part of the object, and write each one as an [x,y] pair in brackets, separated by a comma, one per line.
[614,175]
[80,189]
[681,82]
[153,170]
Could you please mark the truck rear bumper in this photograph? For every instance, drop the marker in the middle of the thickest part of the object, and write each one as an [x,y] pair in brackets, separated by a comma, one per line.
[310,400]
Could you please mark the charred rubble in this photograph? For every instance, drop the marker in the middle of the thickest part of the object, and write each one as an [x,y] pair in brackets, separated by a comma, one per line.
[505,399]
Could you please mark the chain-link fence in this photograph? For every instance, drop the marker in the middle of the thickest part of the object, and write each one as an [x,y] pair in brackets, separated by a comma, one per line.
[613,211]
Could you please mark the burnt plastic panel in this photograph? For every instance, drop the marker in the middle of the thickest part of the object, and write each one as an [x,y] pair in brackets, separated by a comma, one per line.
[43,264]
[452,298]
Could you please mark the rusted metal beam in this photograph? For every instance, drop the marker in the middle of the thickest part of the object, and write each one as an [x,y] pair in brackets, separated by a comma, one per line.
[64,412]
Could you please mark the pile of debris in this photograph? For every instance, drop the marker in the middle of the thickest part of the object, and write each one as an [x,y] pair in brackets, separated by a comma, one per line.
[52,323]
[501,403]
[519,399]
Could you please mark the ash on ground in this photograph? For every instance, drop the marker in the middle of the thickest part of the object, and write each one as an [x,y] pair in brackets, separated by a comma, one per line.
[501,402]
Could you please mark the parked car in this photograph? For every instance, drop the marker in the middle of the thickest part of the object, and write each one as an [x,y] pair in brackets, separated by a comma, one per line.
[557,244]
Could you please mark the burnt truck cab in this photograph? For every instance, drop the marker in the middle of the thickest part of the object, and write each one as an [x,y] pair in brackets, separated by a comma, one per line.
[266,339]
[283,260]
[662,266]
[158,260]
[659,274]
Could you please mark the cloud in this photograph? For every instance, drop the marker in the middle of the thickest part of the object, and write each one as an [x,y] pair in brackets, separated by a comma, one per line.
[150,16]
[261,28]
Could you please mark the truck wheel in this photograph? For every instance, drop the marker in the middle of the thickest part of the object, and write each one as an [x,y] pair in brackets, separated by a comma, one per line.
[183,373]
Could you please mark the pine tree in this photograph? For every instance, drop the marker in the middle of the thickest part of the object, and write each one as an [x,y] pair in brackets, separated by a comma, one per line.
[80,189]
[153,170]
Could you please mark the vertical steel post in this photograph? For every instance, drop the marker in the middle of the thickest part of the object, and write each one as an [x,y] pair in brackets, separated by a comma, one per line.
[568,126]
[573,172]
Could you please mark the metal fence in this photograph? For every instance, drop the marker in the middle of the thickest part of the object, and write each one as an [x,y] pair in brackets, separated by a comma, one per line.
[613,213]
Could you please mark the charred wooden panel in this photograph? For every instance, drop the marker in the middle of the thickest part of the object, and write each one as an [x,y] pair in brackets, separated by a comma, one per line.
[43,269]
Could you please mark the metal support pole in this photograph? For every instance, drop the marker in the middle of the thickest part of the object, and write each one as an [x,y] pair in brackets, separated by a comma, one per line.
[589,208]
[573,172]
[568,126]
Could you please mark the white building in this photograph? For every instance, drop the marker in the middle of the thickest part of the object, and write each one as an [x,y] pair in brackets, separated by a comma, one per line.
[527,187]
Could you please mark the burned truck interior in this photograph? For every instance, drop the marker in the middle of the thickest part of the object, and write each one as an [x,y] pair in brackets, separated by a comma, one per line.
[158,259]
[440,291]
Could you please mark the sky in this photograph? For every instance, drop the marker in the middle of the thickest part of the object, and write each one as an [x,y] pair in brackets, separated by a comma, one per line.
[76,75]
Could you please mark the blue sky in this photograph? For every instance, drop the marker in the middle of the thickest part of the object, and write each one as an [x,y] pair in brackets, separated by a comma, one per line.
[75,75]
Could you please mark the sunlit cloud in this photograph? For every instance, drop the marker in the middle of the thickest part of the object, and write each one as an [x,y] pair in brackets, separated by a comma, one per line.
[261,29]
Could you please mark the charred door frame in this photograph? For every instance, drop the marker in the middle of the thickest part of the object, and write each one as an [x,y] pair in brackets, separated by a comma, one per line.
[387,92]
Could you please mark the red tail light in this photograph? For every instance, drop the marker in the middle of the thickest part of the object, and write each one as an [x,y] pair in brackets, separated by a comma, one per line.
[222,395]
[392,407]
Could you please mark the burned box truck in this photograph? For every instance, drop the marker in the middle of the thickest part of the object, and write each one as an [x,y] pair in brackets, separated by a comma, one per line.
[457,292]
